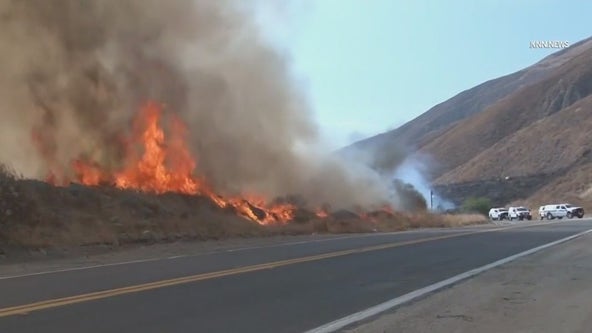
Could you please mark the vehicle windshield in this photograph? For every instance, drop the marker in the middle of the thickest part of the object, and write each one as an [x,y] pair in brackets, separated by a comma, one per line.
[522,209]
[568,206]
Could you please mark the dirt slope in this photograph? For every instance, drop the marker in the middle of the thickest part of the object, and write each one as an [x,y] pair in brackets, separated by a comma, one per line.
[557,142]
[568,84]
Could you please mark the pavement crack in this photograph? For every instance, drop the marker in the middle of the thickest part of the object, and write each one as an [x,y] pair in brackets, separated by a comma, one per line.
[456,316]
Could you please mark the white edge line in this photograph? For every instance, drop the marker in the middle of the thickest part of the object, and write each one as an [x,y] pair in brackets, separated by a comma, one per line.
[239,249]
[364,314]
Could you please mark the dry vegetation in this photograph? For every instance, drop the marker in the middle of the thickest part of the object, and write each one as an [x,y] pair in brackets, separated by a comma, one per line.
[574,187]
[34,214]
[557,142]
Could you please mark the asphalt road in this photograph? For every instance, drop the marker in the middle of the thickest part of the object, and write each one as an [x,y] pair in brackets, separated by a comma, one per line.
[289,288]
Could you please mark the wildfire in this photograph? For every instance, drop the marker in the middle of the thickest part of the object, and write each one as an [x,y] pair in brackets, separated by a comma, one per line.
[162,165]
[157,163]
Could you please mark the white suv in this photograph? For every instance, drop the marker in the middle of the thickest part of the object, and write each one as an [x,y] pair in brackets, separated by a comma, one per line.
[519,213]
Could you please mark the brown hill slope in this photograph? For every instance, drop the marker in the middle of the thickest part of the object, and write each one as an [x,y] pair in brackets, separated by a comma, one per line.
[436,121]
[558,142]
[568,84]
[575,186]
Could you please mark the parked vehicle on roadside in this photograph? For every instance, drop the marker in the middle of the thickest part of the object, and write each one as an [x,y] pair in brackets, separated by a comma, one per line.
[551,212]
[519,213]
[574,211]
[498,214]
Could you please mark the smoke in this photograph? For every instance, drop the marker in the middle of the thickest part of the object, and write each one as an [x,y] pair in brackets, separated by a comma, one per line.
[406,171]
[75,72]
[415,170]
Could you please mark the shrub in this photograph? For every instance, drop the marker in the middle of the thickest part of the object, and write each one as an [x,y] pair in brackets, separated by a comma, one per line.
[477,205]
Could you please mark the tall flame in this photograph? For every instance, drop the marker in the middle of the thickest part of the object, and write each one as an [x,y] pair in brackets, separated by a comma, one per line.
[164,165]
[158,164]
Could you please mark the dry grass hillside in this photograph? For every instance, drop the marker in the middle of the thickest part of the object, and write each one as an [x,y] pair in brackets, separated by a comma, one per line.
[532,126]
[575,186]
[568,84]
[558,142]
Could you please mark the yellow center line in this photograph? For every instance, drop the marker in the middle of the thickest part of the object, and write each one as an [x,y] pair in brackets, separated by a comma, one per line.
[57,302]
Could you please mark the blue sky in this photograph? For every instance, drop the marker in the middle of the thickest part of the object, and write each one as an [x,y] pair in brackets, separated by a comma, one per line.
[369,66]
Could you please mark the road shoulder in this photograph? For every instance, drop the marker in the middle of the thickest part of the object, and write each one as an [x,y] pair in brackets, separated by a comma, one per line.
[546,292]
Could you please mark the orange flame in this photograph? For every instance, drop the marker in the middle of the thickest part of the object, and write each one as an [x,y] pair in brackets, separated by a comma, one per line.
[321,213]
[164,164]
[88,173]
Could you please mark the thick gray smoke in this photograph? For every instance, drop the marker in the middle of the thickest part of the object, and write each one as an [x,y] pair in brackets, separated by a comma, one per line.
[75,72]
[405,169]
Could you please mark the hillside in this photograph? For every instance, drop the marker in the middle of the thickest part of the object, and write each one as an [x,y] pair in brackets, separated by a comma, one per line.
[504,120]
[548,161]
[556,142]
[537,130]
[430,125]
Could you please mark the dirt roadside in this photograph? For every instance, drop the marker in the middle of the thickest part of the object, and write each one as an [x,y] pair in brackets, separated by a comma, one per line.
[546,292]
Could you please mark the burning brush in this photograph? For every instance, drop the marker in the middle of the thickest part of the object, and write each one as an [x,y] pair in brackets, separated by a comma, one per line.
[157,163]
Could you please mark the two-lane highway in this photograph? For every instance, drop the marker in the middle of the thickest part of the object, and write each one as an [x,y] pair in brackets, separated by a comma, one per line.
[290,288]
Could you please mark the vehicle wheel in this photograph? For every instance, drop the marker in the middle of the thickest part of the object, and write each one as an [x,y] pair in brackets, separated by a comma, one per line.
[549,216]
[569,215]
[581,216]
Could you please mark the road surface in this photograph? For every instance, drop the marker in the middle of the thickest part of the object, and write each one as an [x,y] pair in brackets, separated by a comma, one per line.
[290,288]
[546,292]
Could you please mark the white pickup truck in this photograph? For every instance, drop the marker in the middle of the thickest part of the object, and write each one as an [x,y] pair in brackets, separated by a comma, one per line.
[560,211]
[574,211]
[498,214]
[519,213]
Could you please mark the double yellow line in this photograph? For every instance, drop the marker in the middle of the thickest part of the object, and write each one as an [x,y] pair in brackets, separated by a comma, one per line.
[57,302]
